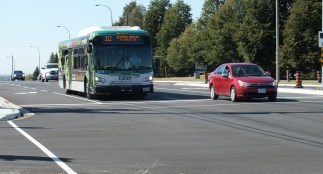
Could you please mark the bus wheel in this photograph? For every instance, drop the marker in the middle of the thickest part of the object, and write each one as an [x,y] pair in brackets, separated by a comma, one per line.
[67,91]
[87,91]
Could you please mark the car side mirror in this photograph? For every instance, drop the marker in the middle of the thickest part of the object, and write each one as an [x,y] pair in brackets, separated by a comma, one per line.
[225,74]
[268,73]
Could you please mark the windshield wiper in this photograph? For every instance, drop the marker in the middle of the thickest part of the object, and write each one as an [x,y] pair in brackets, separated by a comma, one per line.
[256,75]
[138,67]
[110,68]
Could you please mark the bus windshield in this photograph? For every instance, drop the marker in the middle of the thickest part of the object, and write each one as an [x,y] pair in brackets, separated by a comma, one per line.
[122,57]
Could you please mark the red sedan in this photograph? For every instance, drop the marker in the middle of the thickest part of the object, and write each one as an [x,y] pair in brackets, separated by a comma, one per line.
[242,81]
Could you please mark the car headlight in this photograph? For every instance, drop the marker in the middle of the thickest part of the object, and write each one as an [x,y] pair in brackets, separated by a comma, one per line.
[275,83]
[242,83]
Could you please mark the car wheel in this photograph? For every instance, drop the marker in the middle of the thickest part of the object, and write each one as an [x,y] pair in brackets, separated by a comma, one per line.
[213,94]
[233,94]
[272,98]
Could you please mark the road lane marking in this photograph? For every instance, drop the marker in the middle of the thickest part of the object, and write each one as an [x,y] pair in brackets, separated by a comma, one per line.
[183,90]
[76,97]
[24,93]
[44,149]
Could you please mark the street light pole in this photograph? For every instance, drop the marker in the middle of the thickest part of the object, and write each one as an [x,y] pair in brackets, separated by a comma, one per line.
[321,48]
[277,40]
[38,57]
[69,35]
[109,9]
[11,64]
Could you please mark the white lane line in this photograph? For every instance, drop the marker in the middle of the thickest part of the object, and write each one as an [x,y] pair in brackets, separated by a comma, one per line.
[44,149]
[170,98]
[24,93]
[76,97]
[183,90]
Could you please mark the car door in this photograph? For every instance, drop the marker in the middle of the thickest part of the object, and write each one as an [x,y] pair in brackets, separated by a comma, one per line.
[217,80]
[225,81]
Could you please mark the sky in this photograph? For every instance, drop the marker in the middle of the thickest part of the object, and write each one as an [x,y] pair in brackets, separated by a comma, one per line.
[34,23]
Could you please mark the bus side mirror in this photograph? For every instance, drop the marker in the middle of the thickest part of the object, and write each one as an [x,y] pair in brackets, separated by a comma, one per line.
[65,52]
[89,48]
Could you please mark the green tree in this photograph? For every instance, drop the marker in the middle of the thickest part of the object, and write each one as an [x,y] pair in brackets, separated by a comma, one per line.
[220,33]
[35,73]
[133,15]
[255,36]
[178,53]
[300,49]
[208,10]
[177,18]
[154,18]
[53,58]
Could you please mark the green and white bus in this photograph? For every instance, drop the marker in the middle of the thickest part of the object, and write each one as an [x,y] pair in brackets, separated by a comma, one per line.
[107,60]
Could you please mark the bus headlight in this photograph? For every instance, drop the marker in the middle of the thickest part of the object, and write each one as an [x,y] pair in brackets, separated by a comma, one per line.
[148,78]
[100,80]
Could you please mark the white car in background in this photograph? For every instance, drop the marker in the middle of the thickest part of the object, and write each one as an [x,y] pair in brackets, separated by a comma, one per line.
[49,72]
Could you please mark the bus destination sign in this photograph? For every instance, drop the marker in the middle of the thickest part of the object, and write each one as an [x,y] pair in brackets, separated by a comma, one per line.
[122,39]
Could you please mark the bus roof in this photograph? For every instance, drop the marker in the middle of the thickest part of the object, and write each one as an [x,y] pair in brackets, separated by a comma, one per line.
[89,30]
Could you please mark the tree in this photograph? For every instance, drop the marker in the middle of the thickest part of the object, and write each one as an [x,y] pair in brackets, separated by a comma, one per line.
[36,73]
[208,10]
[255,35]
[178,53]
[154,18]
[53,58]
[133,15]
[221,46]
[300,49]
[177,18]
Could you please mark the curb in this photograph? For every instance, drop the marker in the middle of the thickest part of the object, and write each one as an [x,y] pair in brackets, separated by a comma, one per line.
[9,111]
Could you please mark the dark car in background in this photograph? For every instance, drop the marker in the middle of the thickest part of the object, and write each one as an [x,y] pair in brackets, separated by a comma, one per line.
[242,81]
[17,75]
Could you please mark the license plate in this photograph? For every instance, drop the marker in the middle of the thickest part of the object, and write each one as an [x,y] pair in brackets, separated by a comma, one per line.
[124,77]
[146,89]
[262,90]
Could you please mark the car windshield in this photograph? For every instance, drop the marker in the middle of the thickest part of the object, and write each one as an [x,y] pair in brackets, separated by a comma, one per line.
[52,66]
[247,70]
[18,72]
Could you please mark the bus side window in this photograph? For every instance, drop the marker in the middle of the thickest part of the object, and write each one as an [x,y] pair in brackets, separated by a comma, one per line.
[85,61]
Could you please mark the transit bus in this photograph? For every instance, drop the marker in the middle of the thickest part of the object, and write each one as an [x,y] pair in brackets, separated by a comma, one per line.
[107,60]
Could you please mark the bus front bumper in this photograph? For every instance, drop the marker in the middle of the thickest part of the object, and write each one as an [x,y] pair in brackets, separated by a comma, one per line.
[135,89]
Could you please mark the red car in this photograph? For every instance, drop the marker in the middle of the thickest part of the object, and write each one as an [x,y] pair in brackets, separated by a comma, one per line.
[242,81]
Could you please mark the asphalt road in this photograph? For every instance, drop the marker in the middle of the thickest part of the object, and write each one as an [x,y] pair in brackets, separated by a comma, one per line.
[176,130]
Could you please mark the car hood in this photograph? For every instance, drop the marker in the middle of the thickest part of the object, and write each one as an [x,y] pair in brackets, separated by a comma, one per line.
[256,79]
